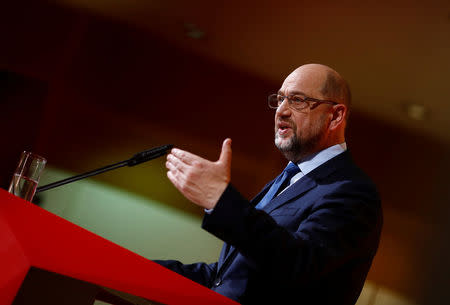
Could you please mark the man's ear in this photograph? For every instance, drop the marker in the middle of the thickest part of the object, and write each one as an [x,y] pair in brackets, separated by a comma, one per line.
[339,114]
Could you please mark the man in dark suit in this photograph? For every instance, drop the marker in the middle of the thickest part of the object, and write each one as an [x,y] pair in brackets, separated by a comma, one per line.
[309,237]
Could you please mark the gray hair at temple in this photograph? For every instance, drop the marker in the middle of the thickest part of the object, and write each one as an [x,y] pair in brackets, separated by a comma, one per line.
[337,89]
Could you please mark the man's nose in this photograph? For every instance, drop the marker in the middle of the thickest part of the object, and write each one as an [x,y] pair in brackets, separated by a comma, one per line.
[284,108]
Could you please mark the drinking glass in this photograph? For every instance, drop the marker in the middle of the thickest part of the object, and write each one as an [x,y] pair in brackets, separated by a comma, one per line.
[27,174]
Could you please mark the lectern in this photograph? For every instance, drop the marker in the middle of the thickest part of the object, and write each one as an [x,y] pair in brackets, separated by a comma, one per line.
[45,259]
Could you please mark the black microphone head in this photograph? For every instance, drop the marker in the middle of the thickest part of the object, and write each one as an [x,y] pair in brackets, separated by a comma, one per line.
[149,154]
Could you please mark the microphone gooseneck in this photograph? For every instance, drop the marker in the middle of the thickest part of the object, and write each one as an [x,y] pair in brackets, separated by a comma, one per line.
[138,158]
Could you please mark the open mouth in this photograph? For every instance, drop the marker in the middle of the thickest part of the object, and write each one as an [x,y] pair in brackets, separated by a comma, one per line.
[283,128]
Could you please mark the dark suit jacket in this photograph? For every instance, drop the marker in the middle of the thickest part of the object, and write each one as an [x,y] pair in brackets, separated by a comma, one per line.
[313,244]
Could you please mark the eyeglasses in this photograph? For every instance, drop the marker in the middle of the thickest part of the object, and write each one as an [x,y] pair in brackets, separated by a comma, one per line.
[296,102]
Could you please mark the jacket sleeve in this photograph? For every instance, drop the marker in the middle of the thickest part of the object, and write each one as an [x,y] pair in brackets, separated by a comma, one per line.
[340,225]
[201,273]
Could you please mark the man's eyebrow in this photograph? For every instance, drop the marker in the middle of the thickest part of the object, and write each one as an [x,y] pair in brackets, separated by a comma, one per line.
[295,92]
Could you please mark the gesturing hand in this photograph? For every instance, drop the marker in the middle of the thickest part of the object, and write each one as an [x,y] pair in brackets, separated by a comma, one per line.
[200,180]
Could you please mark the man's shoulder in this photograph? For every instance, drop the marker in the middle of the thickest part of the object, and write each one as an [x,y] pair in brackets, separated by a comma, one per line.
[342,171]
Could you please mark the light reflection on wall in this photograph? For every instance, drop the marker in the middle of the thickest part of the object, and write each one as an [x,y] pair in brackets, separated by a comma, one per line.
[144,226]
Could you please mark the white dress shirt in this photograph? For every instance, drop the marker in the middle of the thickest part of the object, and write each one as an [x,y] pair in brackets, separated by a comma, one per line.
[315,160]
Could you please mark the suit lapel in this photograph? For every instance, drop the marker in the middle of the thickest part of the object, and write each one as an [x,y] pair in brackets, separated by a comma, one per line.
[261,194]
[308,181]
[297,189]
[301,187]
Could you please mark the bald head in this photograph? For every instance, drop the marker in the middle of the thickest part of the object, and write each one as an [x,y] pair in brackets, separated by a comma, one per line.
[330,84]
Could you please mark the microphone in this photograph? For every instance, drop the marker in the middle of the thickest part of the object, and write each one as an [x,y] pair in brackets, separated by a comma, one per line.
[149,154]
[138,158]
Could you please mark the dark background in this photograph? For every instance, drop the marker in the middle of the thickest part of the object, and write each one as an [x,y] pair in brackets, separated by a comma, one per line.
[85,90]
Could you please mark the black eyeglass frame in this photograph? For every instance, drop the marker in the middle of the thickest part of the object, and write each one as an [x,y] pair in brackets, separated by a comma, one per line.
[274,97]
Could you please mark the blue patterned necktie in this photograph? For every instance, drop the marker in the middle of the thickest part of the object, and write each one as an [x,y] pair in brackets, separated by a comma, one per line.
[282,180]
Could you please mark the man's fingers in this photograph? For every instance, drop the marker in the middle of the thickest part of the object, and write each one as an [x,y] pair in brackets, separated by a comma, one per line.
[173,179]
[172,167]
[173,163]
[177,178]
[185,156]
[179,181]
[225,154]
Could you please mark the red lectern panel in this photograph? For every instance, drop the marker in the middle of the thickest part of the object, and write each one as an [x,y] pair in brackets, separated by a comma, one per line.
[32,237]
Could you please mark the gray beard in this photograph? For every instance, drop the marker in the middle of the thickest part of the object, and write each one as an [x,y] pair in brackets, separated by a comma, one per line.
[296,149]
[291,149]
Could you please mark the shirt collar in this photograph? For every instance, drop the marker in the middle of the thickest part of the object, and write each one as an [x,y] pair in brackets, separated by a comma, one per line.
[317,159]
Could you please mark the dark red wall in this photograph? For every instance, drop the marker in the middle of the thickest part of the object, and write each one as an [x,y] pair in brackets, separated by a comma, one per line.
[91,92]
